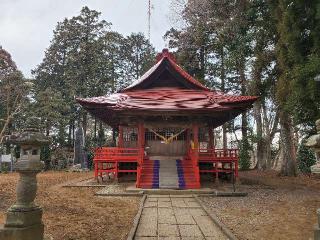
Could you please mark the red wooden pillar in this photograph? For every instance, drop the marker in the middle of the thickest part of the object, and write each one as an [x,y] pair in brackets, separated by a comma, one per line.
[120,142]
[141,138]
[141,143]
[195,131]
[120,145]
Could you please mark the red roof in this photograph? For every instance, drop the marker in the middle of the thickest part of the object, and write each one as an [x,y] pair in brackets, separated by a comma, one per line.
[168,99]
[167,88]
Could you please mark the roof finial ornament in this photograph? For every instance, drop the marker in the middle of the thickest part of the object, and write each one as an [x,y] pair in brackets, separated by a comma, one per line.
[165,54]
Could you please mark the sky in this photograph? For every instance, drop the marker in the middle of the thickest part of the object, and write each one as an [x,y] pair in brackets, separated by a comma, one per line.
[26,26]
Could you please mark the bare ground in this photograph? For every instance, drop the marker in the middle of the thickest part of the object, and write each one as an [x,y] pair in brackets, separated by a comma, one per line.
[275,208]
[74,213]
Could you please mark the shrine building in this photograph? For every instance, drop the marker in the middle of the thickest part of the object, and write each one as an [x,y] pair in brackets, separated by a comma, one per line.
[165,122]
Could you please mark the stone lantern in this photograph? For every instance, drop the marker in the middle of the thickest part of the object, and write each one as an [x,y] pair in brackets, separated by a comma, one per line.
[313,142]
[24,218]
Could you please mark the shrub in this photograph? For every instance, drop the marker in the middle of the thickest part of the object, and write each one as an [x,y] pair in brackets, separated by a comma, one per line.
[5,167]
[305,158]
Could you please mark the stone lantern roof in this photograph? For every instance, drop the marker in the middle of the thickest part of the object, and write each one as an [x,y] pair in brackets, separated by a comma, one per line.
[30,136]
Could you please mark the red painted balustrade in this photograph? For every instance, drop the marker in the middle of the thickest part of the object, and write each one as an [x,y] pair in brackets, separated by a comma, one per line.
[107,159]
[223,160]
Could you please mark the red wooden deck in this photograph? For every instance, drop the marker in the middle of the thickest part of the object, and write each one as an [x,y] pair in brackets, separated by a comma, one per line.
[107,160]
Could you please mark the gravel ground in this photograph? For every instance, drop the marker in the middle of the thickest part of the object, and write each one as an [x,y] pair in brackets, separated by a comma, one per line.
[285,211]
[74,213]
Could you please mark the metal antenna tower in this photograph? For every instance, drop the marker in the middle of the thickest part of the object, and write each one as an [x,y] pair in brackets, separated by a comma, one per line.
[149,18]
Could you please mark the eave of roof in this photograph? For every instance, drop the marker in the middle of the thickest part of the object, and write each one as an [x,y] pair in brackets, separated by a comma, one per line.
[216,107]
[168,99]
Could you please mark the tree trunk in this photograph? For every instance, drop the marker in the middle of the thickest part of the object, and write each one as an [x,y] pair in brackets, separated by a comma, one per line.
[261,160]
[267,152]
[288,167]
[3,130]
[244,125]
[101,137]
[202,63]
[223,83]
[47,129]
[61,133]
[114,137]
[243,82]
[84,123]
[69,133]
[224,136]
[95,129]
[73,124]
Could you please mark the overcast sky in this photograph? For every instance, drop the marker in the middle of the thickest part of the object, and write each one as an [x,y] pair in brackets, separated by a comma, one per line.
[26,26]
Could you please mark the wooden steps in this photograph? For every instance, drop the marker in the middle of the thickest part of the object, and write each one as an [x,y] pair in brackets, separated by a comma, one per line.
[168,174]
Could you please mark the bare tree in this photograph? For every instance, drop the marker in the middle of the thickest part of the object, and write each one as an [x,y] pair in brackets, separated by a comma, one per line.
[13,91]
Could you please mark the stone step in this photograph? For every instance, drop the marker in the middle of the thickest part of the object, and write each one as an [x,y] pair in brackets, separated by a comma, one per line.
[168,175]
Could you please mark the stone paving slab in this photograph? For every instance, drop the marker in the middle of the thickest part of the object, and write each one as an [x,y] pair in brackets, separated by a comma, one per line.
[165,211]
[167,219]
[197,212]
[146,238]
[158,196]
[169,238]
[193,238]
[150,204]
[185,219]
[164,204]
[170,217]
[190,231]
[165,230]
[164,199]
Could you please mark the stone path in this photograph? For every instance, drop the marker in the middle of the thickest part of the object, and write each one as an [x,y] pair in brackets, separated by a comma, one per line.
[171,217]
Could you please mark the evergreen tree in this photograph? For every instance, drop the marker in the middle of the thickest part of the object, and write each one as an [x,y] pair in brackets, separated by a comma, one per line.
[139,56]
[230,46]
[298,62]
[85,59]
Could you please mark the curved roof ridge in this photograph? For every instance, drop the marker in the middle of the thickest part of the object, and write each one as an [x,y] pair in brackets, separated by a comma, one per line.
[165,54]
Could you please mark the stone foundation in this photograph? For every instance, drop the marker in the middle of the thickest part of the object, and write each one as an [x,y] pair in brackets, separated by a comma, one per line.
[34,232]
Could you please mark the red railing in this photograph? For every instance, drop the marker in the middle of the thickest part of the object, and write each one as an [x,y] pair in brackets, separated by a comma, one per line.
[225,160]
[218,154]
[107,159]
[116,153]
